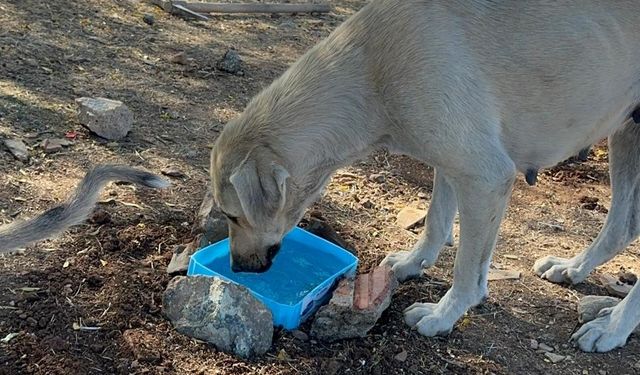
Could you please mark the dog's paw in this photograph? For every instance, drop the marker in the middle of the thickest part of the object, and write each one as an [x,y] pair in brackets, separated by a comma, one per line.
[405,265]
[601,334]
[560,270]
[428,320]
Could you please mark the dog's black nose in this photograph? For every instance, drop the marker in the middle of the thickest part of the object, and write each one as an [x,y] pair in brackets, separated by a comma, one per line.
[252,268]
[272,251]
[236,268]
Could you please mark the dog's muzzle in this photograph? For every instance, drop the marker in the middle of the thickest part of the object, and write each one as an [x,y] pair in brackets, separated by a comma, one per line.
[256,266]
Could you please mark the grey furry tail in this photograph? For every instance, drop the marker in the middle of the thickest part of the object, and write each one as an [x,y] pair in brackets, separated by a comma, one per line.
[76,209]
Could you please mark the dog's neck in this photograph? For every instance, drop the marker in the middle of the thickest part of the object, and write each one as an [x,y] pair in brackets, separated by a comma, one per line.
[322,113]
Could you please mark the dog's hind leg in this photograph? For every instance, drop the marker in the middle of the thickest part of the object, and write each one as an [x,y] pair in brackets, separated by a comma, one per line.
[437,233]
[623,221]
[612,327]
[482,196]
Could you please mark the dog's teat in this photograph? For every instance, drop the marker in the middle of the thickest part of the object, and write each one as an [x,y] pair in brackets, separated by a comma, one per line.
[531,176]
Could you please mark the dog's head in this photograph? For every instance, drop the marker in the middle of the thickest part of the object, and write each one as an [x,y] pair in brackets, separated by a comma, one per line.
[250,186]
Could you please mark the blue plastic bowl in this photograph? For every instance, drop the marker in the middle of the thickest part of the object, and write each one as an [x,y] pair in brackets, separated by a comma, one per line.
[298,282]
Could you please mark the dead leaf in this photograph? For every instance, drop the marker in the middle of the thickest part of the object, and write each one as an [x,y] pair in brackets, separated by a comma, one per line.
[282,355]
[464,323]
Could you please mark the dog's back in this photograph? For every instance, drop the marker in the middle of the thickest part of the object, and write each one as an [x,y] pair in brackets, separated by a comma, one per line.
[545,71]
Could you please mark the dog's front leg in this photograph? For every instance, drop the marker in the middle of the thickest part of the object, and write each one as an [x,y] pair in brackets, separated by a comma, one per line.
[482,200]
[438,231]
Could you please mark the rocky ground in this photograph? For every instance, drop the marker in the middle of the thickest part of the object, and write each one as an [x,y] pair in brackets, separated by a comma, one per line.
[89,302]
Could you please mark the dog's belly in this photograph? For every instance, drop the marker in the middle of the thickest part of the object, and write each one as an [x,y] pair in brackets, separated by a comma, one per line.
[538,145]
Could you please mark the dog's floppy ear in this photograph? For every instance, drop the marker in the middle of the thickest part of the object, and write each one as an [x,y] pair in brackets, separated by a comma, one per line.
[261,188]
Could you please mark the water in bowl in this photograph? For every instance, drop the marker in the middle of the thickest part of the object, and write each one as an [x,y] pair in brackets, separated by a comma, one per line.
[296,271]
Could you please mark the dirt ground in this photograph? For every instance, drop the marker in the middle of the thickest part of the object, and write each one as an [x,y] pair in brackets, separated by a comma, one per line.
[110,272]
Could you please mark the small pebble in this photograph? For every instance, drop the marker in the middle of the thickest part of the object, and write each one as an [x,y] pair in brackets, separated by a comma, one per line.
[533,344]
[368,204]
[377,178]
[179,58]
[544,347]
[402,356]
[173,172]
[149,19]
[555,358]
[300,335]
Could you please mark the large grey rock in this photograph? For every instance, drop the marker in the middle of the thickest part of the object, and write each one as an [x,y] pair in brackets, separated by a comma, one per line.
[224,314]
[109,119]
[356,306]
[17,148]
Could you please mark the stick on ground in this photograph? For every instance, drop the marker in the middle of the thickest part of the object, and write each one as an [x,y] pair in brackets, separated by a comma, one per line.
[201,7]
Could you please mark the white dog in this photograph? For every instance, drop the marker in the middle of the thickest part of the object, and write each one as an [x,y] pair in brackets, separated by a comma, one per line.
[480,90]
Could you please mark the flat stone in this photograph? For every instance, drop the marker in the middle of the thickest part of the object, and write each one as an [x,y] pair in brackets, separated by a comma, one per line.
[17,148]
[627,277]
[356,306]
[109,119]
[410,216]
[182,255]
[590,306]
[173,172]
[544,347]
[51,145]
[495,274]
[555,358]
[221,313]
[614,286]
